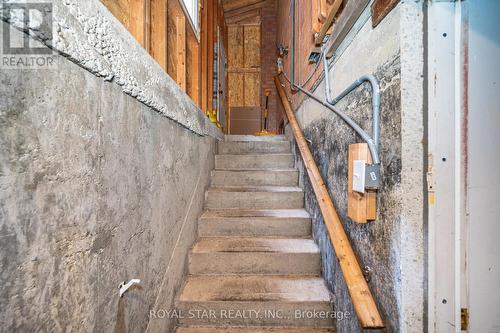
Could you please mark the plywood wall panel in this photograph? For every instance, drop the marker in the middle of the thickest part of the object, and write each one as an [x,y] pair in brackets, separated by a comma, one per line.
[235,41]
[252,46]
[252,89]
[236,86]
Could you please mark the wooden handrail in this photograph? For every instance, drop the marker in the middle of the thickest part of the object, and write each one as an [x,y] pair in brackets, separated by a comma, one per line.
[361,297]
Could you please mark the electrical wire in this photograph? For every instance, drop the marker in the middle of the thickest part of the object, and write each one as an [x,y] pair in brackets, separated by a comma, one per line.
[311,74]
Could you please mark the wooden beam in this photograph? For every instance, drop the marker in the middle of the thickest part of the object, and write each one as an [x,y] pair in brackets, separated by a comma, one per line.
[362,299]
[181,51]
[350,15]
[245,9]
[245,16]
[235,4]
[158,47]
[318,38]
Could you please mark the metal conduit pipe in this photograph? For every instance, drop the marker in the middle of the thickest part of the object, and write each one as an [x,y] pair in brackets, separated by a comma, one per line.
[350,122]
[372,144]
[375,97]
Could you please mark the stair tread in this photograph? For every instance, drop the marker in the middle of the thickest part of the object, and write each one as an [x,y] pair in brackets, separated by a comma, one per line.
[271,213]
[255,189]
[254,288]
[253,329]
[255,244]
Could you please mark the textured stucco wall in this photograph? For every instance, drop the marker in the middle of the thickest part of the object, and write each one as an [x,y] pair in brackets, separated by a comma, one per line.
[392,246]
[98,184]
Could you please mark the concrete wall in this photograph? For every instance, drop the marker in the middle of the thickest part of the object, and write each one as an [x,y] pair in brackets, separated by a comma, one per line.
[102,179]
[392,246]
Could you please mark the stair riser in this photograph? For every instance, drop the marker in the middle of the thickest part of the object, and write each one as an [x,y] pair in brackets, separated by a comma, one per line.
[254,161]
[249,138]
[255,263]
[253,329]
[254,200]
[255,314]
[254,147]
[255,178]
[291,227]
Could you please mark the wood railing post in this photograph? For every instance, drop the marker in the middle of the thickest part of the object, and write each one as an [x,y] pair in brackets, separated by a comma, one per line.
[362,299]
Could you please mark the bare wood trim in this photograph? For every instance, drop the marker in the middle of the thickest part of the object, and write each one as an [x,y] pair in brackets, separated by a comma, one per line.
[350,14]
[380,9]
[328,22]
[362,299]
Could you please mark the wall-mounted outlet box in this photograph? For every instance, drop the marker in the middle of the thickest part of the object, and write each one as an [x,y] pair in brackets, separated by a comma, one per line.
[358,176]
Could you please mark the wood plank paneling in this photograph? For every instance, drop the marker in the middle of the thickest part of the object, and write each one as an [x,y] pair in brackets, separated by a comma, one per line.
[138,10]
[158,47]
[193,69]
[119,8]
[181,51]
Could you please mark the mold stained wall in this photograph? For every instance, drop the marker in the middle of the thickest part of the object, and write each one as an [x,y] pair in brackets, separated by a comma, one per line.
[392,246]
[96,188]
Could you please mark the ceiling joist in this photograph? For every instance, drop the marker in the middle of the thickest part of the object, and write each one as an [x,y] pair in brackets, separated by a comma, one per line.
[242,17]
[242,10]
[230,5]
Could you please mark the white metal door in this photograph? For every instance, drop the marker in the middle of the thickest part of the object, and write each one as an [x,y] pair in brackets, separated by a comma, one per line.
[483,169]
[464,162]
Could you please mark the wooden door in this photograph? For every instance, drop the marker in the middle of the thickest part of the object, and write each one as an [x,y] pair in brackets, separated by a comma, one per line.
[244,78]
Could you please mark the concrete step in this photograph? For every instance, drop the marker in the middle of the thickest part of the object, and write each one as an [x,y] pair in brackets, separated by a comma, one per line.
[254,329]
[240,222]
[249,162]
[281,177]
[256,197]
[255,138]
[260,301]
[252,255]
[254,147]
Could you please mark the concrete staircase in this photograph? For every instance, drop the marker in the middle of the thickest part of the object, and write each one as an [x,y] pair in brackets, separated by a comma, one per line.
[254,267]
